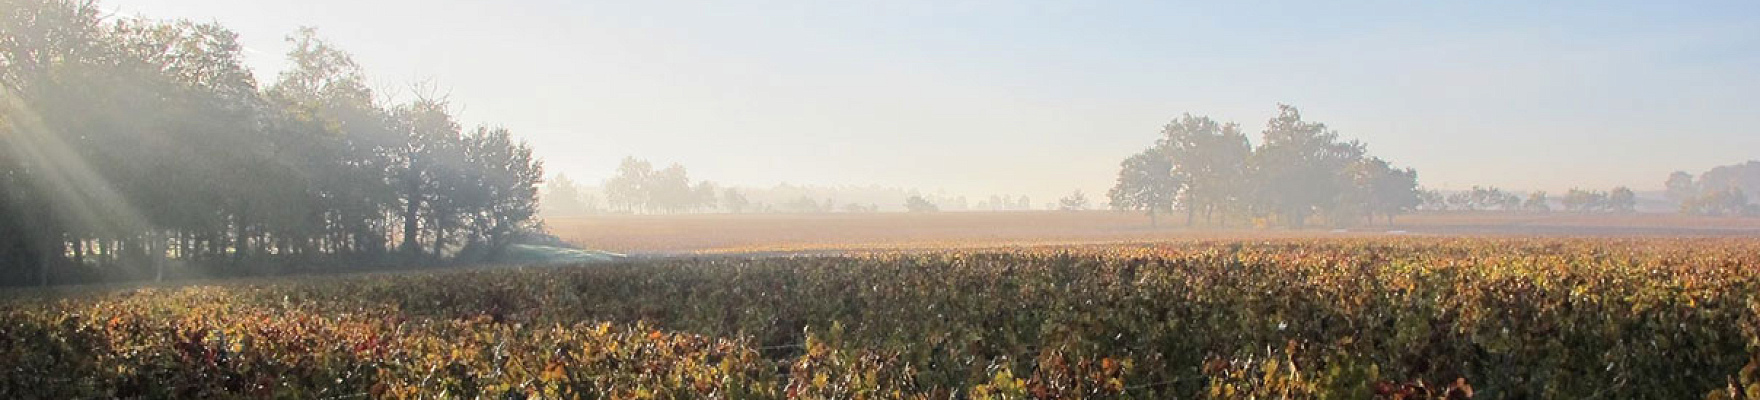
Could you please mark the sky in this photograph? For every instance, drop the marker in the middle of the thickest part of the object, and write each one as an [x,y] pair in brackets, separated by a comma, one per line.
[1042,98]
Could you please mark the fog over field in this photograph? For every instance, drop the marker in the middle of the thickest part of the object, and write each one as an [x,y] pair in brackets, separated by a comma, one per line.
[1041,98]
[907,200]
[149,137]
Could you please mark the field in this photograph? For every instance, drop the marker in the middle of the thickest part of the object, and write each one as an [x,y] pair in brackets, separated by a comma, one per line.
[1032,305]
[747,233]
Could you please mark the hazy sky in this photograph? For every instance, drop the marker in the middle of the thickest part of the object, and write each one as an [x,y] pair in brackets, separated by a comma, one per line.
[1041,98]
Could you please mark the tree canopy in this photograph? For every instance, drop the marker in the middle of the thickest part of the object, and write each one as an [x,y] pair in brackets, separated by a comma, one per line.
[133,145]
[638,187]
[1298,170]
[1722,190]
[1146,182]
[919,204]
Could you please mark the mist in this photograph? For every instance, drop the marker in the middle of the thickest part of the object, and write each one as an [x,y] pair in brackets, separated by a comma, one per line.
[221,133]
[911,200]
[1043,98]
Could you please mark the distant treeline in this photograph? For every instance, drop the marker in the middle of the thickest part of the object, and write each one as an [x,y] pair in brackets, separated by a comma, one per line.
[639,188]
[1618,200]
[1720,191]
[1299,171]
[133,145]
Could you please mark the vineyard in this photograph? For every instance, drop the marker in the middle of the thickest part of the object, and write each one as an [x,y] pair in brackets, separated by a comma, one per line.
[1350,318]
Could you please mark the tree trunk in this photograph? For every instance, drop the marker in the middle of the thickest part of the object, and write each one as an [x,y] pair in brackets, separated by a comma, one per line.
[410,224]
[240,239]
[134,249]
[1152,218]
[156,253]
[216,247]
[46,245]
[439,239]
[102,251]
[44,260]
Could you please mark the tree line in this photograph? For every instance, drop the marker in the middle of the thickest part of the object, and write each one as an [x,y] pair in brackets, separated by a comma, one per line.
[1299,170]
[133,145]
[637,187]
[1620,199]
[1722,190]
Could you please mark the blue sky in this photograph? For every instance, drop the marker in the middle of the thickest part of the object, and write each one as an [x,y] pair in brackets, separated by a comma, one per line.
[1041,98]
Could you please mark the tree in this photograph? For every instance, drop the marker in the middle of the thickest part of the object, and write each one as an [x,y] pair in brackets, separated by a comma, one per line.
[1510,202]
[919,204]
[1073,202]
[563,197]
[61,71]
[1744,176]
[1386,190]
[1210,162]
[1430,199]
[424,172]
[1578,200]
[734,202]
[638,187]
[324,96]
[126,142]
[1300,166]
[1146,183]
[702,196]
[1537,202]
[628,190]
[1462,201]
[507,176]
[1621,199]
[1680,186]
[1718,191]
[1484,198]
[669,190]
[1730,201]
[1300,169]
[804,205]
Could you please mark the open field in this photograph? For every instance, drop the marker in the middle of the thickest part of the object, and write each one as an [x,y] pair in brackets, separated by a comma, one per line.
[741,233]
[1412,317]
[954,305]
